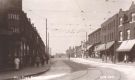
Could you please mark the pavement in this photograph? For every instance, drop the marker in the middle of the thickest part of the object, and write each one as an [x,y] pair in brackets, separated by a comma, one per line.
[119,63]
[26,72]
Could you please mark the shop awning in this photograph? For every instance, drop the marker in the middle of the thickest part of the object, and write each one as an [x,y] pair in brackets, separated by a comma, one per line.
[103,47]
[126,46]
[88,47]
[99,47]
[109,45]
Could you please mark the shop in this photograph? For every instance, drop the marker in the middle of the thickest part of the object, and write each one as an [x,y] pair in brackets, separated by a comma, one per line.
[90,49]
[105,51]
[126,51]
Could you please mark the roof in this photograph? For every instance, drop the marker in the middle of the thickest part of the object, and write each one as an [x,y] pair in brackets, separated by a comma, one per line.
[132,6]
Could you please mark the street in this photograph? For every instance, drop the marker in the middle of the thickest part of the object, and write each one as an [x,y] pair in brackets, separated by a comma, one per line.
[64,69]
[67,39]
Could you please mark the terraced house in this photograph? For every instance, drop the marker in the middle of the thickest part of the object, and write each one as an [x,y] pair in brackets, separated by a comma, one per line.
[18,36]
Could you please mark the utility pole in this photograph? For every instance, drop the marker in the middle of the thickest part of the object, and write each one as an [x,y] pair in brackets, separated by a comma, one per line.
[47,43]
[86,46]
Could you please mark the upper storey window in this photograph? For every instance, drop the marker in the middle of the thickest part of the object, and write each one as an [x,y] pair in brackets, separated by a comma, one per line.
[133,17]
[120,20]
[128,34]
[13,16]
[120,36]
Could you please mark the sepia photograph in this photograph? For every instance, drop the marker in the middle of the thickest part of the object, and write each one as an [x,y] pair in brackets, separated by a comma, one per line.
[67,39]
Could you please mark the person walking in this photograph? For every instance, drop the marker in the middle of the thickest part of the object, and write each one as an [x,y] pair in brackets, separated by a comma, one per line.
[17,63]
[43,60]
[125,58]
[37,61]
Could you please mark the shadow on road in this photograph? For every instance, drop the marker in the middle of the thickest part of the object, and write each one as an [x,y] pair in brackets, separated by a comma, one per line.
[77,66]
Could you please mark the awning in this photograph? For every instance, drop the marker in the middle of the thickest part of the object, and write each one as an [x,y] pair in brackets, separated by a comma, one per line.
[109,45]
[99,47]
[88,47]
[126,46]
[103,47]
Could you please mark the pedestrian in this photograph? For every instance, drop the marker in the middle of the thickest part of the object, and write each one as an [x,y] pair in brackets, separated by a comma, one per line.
[17,63]
[37,61]
[43,61]
[125,58]
[47,60]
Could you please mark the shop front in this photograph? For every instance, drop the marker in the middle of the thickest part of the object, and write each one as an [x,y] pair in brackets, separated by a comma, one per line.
[105,51]
[126,51]
[90,50]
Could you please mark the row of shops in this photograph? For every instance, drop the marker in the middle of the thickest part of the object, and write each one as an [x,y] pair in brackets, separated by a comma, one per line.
[115,40]
[113,51]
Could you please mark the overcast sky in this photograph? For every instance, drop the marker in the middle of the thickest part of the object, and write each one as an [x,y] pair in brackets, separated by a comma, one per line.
[69,20]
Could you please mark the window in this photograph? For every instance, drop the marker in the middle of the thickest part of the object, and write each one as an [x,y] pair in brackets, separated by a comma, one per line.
[121,20]
[133,17]
[112,36]
[114,23]
[128,34]
[134,32]
[9,16]
[13,16]
[121,36]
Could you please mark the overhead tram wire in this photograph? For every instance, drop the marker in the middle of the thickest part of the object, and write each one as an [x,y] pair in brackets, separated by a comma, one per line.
[81,10]
[83,14]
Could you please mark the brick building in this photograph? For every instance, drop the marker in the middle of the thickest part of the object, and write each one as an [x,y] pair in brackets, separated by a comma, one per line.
[126,32]
[94,37]
[109,31]
[94,40]
[117,36]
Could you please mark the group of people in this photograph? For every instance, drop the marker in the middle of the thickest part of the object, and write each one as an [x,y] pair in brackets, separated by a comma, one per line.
[38,60]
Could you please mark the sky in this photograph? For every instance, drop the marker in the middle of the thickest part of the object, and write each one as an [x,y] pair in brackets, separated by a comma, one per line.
[69,20]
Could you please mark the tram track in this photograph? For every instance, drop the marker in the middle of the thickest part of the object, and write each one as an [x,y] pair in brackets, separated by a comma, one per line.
[104,75]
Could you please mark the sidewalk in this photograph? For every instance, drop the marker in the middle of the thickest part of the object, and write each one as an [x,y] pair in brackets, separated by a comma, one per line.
[119,63]
[29,71]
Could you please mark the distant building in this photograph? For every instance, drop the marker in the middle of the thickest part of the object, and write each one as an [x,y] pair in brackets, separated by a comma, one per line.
[78,51]
[94,39]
